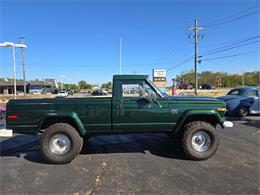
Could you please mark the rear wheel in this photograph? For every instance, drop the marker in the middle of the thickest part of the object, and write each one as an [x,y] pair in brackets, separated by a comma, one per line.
[200,140]
[242,111]
[61,143]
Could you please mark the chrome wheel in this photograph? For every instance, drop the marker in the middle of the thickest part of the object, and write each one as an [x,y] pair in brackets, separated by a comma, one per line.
[200,141]
[59,144]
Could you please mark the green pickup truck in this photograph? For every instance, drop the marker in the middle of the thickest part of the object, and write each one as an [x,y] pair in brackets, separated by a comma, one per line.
[136,106]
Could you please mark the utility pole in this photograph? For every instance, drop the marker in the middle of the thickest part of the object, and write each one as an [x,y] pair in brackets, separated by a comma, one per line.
[24,77]
[120,57]
[196,37]
[243,79]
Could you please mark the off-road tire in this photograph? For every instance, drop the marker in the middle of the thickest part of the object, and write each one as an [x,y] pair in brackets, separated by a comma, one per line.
[242,111]
[76,143]
[189,130]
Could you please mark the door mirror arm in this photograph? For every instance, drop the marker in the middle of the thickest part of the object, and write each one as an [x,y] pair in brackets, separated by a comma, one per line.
[153,100]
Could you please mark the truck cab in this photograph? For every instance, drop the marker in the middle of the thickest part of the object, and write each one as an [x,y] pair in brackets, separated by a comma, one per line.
[138,105]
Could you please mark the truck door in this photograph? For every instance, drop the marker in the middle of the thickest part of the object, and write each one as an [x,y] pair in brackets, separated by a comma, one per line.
[140,108]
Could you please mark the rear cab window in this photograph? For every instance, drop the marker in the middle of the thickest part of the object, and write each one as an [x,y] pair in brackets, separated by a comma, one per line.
[252,93]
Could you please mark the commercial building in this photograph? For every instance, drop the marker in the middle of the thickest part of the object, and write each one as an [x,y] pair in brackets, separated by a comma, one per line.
[7,86]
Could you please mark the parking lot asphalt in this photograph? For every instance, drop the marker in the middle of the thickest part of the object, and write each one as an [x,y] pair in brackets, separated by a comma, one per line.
[136,164]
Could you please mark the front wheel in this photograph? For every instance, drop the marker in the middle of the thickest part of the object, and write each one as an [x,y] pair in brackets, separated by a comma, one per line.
[61,143]
[200,140]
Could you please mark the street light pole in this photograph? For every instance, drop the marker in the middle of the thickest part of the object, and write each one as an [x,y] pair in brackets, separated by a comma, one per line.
[10,44]
[24,77]
[14,65]
[120,56]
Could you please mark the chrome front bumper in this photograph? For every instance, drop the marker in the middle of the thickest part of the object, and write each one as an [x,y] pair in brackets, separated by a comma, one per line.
[228,124]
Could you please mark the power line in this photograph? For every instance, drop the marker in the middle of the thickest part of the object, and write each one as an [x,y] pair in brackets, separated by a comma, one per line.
[233,15]
[181,63]
[230,56]
[233,44]
[229,48]
[235,19]
[230,42]
[179,42]
[237,16]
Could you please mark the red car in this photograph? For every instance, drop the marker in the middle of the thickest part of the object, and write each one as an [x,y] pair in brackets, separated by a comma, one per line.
[185,86]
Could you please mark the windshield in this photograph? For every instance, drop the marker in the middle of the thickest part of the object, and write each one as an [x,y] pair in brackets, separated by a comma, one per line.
[158,91]
[234,92]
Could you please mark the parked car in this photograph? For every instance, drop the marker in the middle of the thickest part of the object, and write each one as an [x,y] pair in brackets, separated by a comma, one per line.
[105,92]
[62,94]
[70,92]
[98,92]
[185,86]
[46,91]
[2,112]
[207,86]
[64,124]
[19,93]
[242,101]
[35,91]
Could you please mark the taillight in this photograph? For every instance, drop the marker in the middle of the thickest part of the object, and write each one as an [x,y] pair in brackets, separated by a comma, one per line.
[12,116]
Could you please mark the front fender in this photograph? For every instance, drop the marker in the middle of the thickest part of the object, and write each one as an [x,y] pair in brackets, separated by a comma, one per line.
[190,113]
[71,115]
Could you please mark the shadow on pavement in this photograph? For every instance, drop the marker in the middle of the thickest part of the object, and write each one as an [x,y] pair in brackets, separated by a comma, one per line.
[157,144]
[251,121]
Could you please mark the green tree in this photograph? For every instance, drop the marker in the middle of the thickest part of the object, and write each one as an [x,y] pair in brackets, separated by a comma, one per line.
[106,85]
[74,87]
[82,84]
[227,80]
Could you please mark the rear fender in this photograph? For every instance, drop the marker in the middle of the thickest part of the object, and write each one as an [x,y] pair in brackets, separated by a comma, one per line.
[62,115]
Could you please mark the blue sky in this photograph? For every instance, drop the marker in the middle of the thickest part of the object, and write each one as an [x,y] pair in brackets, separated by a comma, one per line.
[80,39]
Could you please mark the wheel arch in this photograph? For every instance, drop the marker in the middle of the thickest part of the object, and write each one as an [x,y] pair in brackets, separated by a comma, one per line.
[209,116]
[244,104]
[69,118]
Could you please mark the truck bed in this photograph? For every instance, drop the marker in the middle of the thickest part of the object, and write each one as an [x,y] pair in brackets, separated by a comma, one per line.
[95,113]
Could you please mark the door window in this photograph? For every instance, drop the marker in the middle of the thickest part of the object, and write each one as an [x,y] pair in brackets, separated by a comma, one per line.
[141,90]
[234,92]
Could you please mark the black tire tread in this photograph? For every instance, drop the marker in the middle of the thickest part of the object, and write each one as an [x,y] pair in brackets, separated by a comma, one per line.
[189,128]
[243,115]
[72,132]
